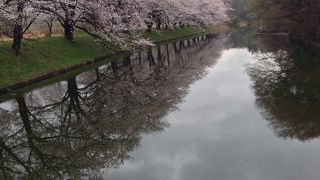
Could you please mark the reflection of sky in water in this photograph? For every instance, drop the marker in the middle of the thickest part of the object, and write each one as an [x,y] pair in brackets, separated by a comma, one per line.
[6,106]
[218,133]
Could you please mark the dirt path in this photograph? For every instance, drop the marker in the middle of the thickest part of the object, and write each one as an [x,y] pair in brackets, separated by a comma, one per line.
[29,36]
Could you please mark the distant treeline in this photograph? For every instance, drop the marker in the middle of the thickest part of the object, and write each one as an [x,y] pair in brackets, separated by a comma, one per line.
[299,18]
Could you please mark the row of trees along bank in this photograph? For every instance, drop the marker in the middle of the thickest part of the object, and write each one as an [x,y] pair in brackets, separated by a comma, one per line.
[108,20]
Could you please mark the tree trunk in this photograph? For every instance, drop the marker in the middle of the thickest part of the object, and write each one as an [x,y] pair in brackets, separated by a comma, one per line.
[69,23]
[149,27]
[158,24]
[50,25]
[74,96]
[69,30]
[159,55]
[181,25]
[50,31]
[114,66]
[150,57]
[24,114]
[17,31]
[166,26]
[168,54]
[98,74]
[139,57]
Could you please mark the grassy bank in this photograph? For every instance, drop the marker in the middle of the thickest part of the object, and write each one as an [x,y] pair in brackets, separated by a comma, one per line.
[171,35]
[42,56]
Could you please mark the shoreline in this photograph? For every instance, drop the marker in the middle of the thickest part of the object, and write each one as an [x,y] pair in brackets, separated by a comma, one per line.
[98,60]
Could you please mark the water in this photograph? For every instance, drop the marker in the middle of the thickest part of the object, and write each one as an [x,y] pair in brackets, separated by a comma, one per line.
[221,107]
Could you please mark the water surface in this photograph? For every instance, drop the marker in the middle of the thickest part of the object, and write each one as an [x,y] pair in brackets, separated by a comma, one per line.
[215,107]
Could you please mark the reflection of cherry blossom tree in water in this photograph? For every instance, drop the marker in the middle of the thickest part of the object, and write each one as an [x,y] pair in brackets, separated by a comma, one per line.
[75,128]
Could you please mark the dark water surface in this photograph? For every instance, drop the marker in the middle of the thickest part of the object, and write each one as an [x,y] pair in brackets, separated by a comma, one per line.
[216,107]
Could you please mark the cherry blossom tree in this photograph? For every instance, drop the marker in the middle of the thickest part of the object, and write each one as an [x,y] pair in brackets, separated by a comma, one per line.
[181,12]
[155,12]
[49,20]
[16,18]
[106,20]
[65,11]
[113,21]
[213,11]
[116,21]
